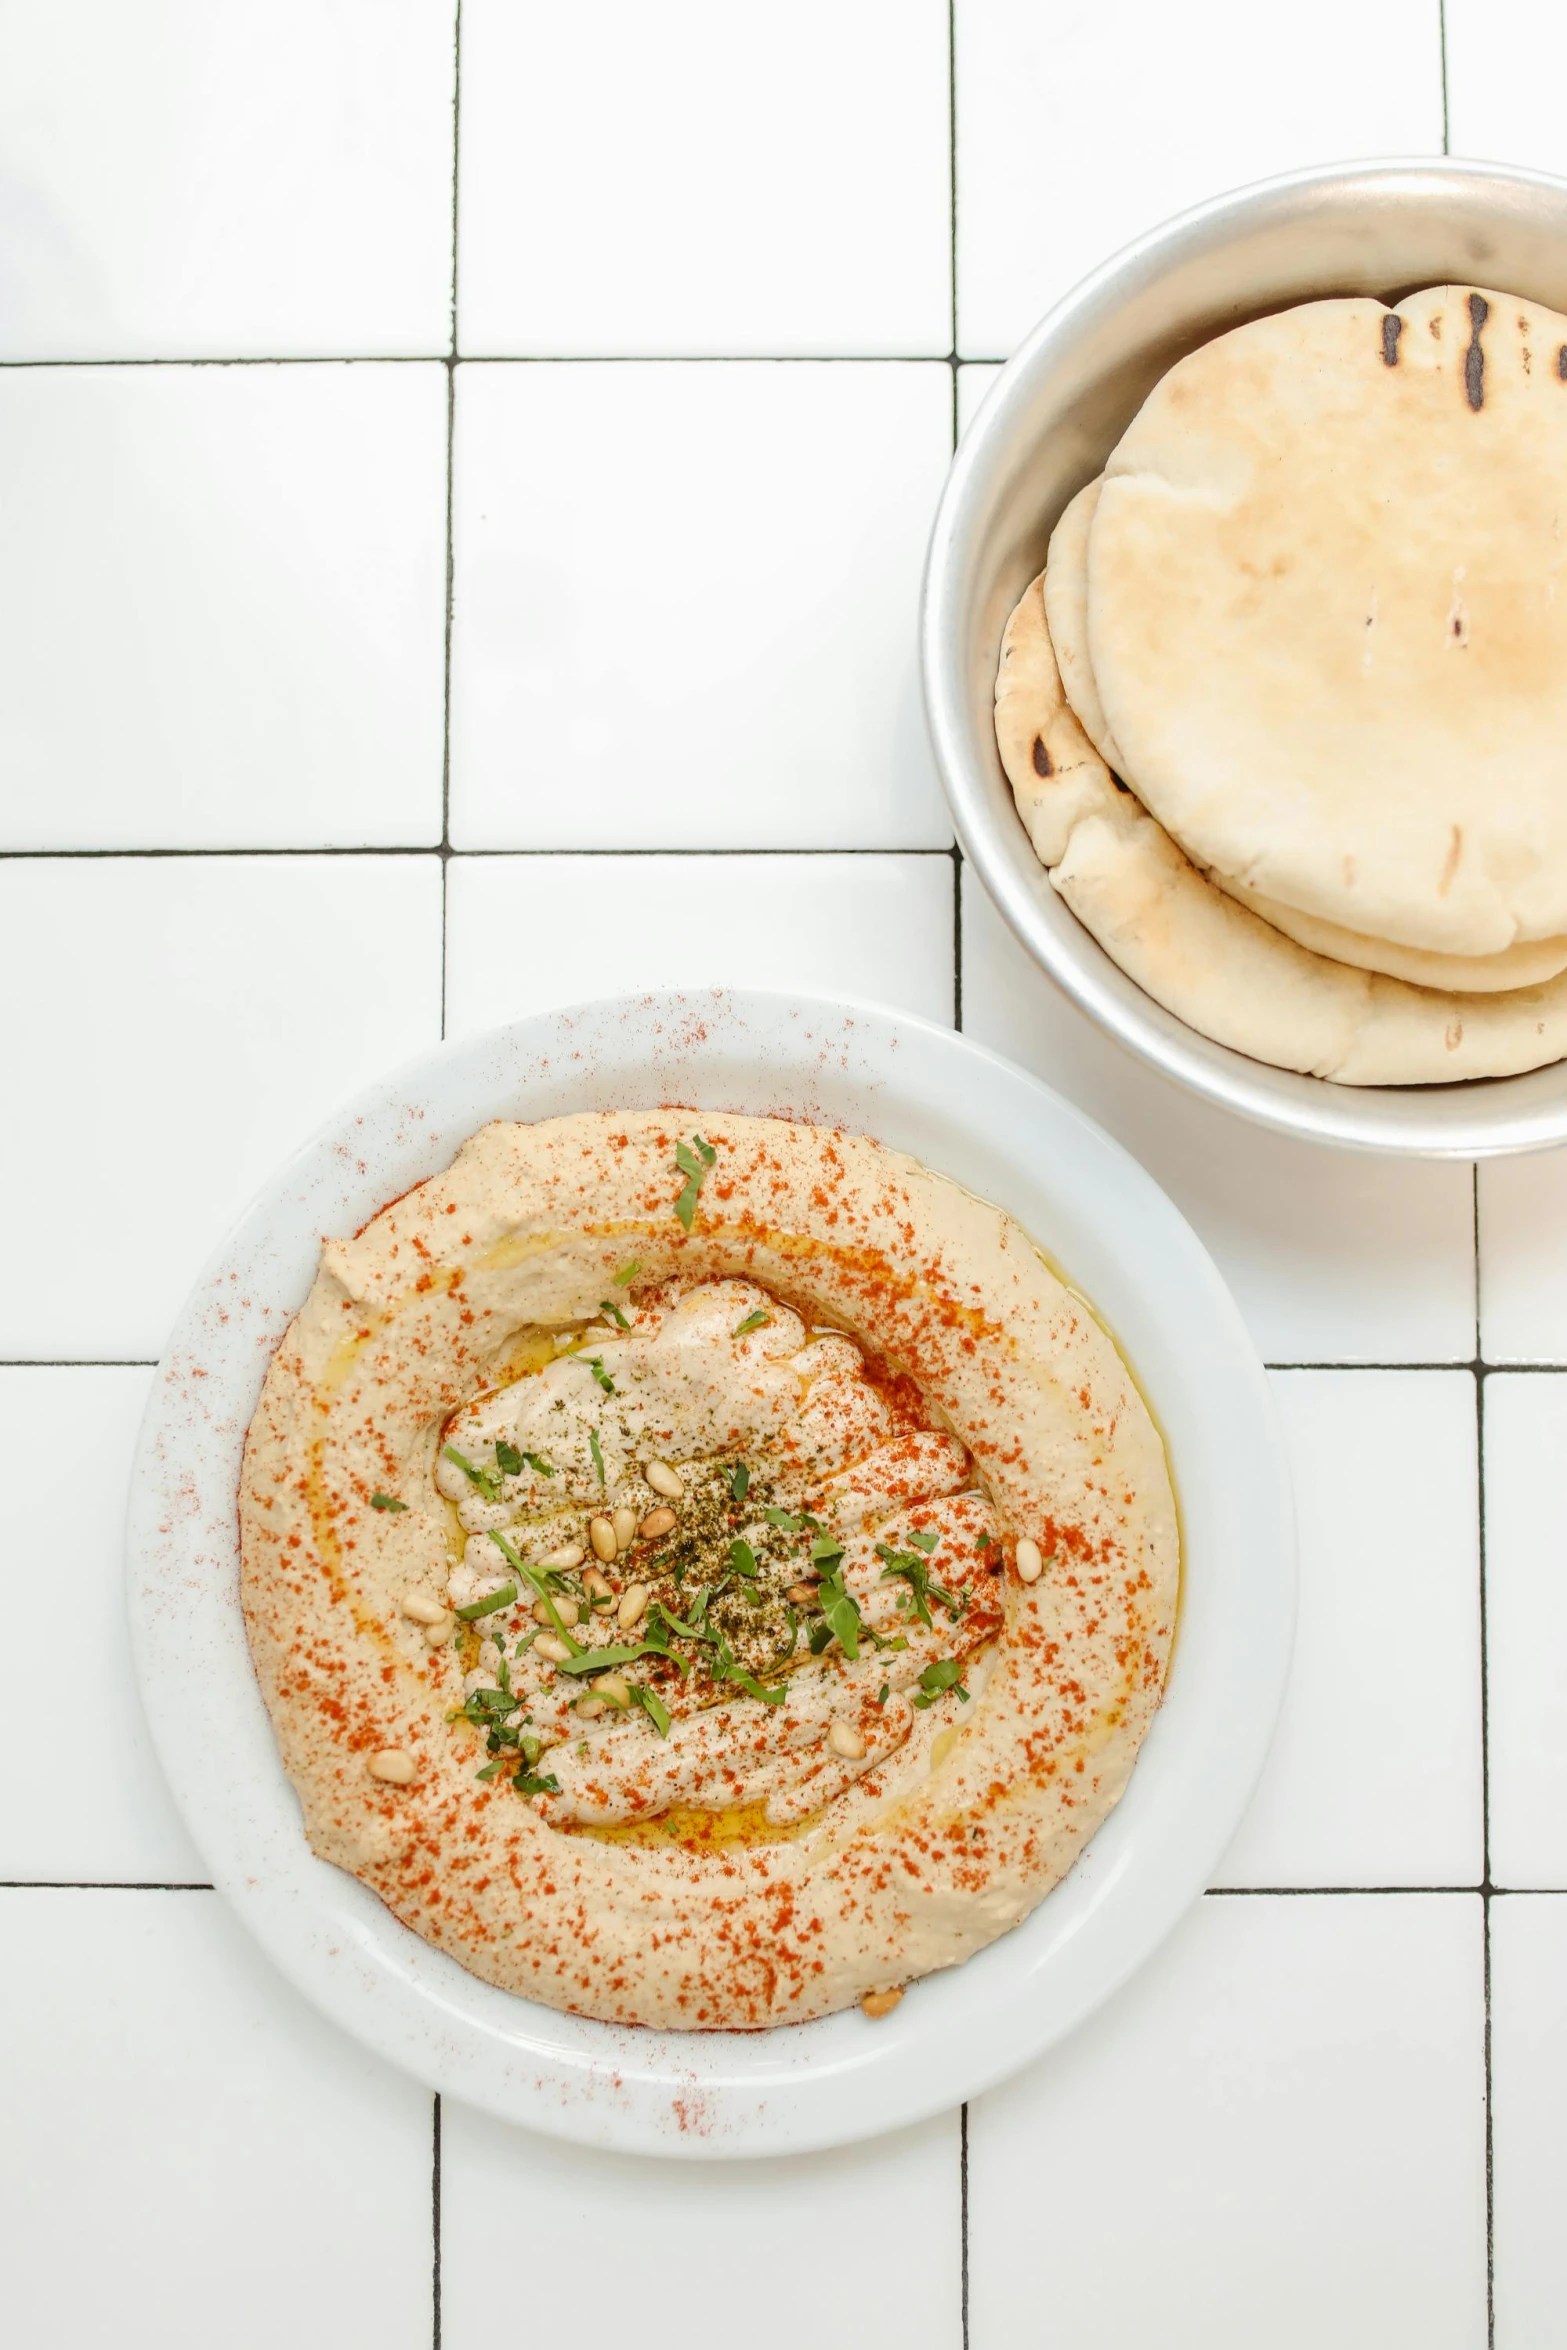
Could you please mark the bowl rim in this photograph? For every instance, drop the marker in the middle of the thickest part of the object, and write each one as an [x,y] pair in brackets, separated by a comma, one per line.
[719,2096]
[1479,1118]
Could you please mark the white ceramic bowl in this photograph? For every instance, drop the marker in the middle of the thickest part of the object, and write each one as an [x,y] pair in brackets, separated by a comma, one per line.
[959,1109]
[1047,425]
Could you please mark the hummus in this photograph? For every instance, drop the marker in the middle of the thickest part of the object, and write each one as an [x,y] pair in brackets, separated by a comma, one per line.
[703,1571]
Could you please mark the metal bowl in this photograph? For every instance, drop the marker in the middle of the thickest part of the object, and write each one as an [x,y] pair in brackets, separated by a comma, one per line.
[1046,427]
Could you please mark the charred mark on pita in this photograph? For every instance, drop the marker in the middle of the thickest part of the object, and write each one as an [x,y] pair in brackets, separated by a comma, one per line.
[1392,328]
[1474,357]
[1042,764]
[1561,363]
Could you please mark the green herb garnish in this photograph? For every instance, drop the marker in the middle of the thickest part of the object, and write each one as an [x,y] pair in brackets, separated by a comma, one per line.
[652,1705]
[824,1549]
[538,1464]
[612,1312]
[598,1457]
[923,1587]
[486,1480]
[386,1501]
[627,1274]
[756,1320]
[937,1679]
[695,1171]
[595,1364]
[883,1693]
[925,1540]
[840,1614]
[742,1558]
[508,1459]
[739,1481]
[603,1660]
[530,1783]
[786,1519]
[540,1583]
[727,1670]
[505,1597]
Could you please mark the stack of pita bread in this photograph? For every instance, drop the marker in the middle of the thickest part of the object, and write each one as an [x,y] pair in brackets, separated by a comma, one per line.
[1285,714]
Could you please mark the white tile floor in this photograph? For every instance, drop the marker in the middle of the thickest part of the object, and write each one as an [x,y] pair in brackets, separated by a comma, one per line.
[662,366]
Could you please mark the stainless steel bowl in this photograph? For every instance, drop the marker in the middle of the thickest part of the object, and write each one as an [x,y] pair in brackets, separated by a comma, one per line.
[1047,425]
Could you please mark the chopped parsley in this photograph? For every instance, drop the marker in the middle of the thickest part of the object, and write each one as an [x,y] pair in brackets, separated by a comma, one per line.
[924,1539]
[652,1705]
[627,1274]
[788,1521]
[508,1459]
[739,1481]
[923,1587]
[532,1783]
[840,1614]
[742,1558]
[883,1693]
[595,1364]
[938,1678]
[612,1313]
[598,1457]
[540,1582]
[756,1320]
[824,1549]
[386,1501]
[486,1481]
[537,1463]
[505,1597]
[695,1171]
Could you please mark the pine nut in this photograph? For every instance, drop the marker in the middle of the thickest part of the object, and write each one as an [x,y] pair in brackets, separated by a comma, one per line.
[657,1522]
[567,1610]
[393,1765]
[613,1689]
[633,1607]
[879,2003]
[552,1648]
[845,1739]
[802,1594]
[663,1479]
[597,1586]
[590,1708]
[570,1554]
[601,1533]
[420,1608]
[624,1522]
[1030,1565]
[438,1634]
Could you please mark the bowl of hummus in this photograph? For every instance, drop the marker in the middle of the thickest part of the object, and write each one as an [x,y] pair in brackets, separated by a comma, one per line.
[711,1572]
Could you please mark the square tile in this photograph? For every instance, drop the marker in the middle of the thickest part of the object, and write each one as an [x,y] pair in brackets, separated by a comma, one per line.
[1506,60]
[222,606]
[788,2252]
[1275,2134]
[1375,1773]
[1523,1259]
[189,181]
[685,605]
[181,1024]
[1526,1626]
[1334,1256]
[1081,127]
[240,2170]
[87,1803]
[1528,2095]
[526,932]
[744,181]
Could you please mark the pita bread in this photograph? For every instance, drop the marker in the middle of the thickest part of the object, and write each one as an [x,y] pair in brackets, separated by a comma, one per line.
[1066,617]
[1327,613]
[1208,960]
[1526,964]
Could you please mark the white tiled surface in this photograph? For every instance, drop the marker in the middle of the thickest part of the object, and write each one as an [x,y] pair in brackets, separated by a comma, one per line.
[705,283]
[684,604]
[1526,1625]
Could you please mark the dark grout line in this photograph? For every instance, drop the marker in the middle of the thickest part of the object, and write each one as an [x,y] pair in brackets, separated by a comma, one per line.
[963,2222]
[512,359]
[98,1885]
[443,848]
[1323,1892]
[1485,1828]
[435,2222]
